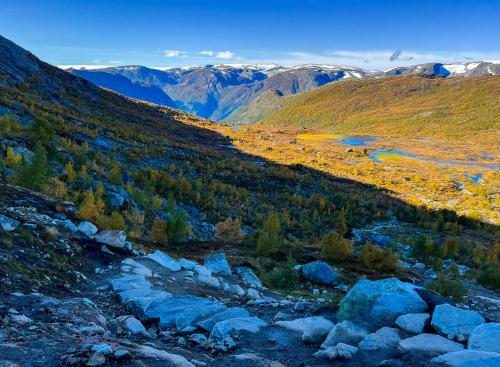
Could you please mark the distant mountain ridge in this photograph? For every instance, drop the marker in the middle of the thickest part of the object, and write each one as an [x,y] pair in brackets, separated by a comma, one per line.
[222,92]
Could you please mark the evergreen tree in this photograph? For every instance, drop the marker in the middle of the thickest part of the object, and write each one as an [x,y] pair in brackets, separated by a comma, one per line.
[341,223]
[34,175]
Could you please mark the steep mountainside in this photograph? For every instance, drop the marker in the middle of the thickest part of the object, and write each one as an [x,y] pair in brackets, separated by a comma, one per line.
[400,106]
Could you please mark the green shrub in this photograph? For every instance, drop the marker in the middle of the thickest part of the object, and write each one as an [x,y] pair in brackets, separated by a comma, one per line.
[375,258]
[282,277]
[335,248]
[448,288]
[489,275]
[269,236]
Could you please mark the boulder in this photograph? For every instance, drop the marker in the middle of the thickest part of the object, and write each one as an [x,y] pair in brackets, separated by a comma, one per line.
[226,328]
[173,360]
[469,358]
[344,332]
[413,323]
[70,226]
[320,272]
[131,266]
[373,304]
[386,338]
[452,321]
[432,298]
[314,329]
[164,260]
[87,229]
[339,351]
[7,224]
[429,344]
[218,264]
[139,300]
[208,280]
[237,290]
[129,282]
[486,337]
[187,264]
[133,326]
[112,238]
[248,277]
[253,293]
[380,240]
[230,313]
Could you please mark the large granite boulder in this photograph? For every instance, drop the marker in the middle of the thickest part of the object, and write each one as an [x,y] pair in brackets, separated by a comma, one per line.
[320,272]
[164,260]
[454,322]
[429,344]
[226,328]
[486,337]
[112,238]
[7,224]
[413,323]
[218,264]
[230,313]
[314,329]
[344,332]
[373,304]
[469,358]
[130,282]
[248,277]
[384,339]
[87,229]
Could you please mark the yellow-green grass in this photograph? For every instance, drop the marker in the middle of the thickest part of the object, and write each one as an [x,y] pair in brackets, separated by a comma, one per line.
[319,137]
[446,109]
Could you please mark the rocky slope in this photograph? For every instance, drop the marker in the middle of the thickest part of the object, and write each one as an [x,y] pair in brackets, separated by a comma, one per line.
[224,92]
[130,307]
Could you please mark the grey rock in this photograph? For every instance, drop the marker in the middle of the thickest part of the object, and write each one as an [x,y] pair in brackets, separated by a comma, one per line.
[104,349]
[112,238]
[320,272]
[486,337]
[373,304]
[339,351]
[413,323]
[164,260]
[230,313]
[133,326]
[314,329]
[429,344]
[122,354]
[248,277]
[70,226]
[226,328]
[345,332]
[218,264]
[129,282]
[385,338]
[253,293]
[187,264]
[7,224]
[87,229]
[469,358]
[452,321]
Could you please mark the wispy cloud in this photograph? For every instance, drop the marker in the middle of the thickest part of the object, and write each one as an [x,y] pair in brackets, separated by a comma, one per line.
[225,55]
[174,53]
[207,53]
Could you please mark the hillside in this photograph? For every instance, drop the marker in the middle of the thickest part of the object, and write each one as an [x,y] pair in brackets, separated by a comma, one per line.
[458,108]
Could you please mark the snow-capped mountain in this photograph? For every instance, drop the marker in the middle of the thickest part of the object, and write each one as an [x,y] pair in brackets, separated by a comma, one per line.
[216,91]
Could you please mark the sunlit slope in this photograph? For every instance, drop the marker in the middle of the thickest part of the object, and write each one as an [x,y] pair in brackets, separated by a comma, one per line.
[455,108]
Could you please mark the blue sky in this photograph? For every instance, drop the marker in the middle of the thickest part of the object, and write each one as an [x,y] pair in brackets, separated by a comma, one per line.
[184,32]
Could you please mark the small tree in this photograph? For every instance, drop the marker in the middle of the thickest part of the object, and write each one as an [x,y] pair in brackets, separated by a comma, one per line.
[91,207]
[450,248]
[13,160]
[494,254]
[34,174]
[269,236]
[70,172]
[341,223]
[229,231]
[56,188]
[115,176]
[178,227]
[159,231]
[375,258]
[335,248]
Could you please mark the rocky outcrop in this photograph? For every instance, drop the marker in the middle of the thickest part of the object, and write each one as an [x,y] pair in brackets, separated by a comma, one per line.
[430,344]
[314,329]
[7,224]
[413,323]
[112,238]
[164,260]
[454,322]
[374,304]
[320,272]
[218,264]
[485,337]
[248,277]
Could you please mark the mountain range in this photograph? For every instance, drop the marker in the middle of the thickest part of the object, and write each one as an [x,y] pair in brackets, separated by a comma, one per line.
[223,92]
